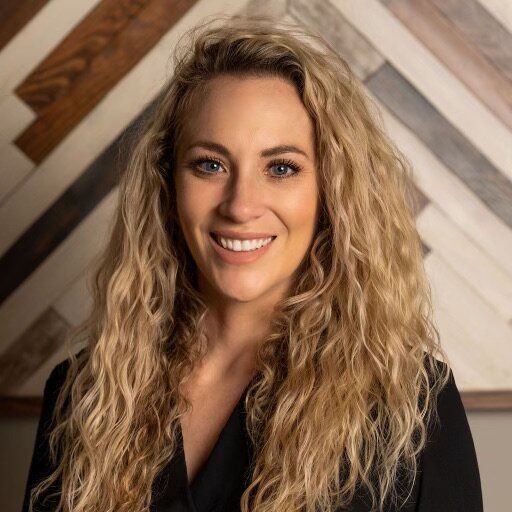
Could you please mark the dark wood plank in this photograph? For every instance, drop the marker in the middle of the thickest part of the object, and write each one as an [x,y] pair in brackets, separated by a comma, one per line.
[59,220]
[457,53]
[25,355]
[481,28]
[444,140]
[473,401]
[74,78]
[15,14]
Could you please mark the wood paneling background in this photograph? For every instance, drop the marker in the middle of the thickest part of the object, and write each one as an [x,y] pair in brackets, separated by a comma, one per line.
[76,78]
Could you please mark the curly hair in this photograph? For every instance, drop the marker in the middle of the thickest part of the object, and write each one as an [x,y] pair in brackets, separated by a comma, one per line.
[346,381]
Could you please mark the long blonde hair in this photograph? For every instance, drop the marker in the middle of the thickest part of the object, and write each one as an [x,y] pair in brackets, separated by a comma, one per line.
[347,381]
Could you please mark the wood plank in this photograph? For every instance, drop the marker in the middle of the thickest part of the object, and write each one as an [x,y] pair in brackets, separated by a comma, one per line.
[468,260]
[89,69]
[448,144]
[15,14]
[472,333]
[482,29]
[19,361]
[451,195]
[323,18]
[439,86]
[464,59]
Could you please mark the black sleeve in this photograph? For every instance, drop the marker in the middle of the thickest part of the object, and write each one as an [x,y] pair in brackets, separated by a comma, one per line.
[40,466]
[450,478]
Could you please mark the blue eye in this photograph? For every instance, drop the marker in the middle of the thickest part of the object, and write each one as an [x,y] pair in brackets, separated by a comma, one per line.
[210,166]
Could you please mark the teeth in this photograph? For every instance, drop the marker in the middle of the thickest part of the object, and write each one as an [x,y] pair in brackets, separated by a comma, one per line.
[243,245]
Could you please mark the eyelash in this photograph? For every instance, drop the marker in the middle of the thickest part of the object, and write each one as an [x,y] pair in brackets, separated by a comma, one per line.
[279,161]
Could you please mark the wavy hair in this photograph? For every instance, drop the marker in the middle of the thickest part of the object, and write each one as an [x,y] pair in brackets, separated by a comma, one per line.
[347,380]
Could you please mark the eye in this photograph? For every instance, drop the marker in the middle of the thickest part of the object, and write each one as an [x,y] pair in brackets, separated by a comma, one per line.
[281,168]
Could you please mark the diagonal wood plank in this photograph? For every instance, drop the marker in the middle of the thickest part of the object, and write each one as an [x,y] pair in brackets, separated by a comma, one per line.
[447,143]
[468,260]
[89,62]
[477,341]
[452,48]
[481,29]
[436,83]
[19,361]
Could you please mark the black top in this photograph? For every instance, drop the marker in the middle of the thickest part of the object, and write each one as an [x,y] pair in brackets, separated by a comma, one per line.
[448,478]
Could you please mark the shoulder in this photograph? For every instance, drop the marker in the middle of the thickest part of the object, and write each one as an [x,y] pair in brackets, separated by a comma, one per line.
[450,478]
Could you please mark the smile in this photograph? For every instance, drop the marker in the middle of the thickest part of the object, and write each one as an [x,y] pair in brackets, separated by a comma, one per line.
[240,251]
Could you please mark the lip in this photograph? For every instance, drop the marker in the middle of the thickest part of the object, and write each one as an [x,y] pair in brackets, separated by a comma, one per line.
[241,257]
[242,236]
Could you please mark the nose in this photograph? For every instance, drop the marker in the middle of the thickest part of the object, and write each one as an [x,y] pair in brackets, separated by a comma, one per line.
[243,199]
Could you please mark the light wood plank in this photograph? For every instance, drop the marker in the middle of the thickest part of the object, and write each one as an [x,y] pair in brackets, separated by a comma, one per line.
[477,341]
[467,259]
[432,79]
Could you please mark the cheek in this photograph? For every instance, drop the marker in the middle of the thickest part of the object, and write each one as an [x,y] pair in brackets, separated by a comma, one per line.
[299,211]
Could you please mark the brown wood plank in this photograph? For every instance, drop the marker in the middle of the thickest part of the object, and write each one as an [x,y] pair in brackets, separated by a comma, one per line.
[15,14]
[463,58]
[473,401]
[103,48]
[20,360]
[482,29]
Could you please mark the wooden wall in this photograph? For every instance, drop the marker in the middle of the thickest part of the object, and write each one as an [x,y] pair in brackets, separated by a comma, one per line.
[77,77]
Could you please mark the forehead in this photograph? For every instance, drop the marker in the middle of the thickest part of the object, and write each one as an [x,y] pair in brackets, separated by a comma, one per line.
[249,110]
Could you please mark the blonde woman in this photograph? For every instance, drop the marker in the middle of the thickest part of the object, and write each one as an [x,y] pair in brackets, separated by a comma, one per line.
[261,338]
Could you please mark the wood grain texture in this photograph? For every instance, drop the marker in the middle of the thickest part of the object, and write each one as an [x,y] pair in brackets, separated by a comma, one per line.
[19,361]
[482,29]
[463,58]
[447,143]
[15,14]
[348,42]
[88,63]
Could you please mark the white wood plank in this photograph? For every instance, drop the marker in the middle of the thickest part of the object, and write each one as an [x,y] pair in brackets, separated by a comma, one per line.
[443,89]
[471,332]
[99,128]
[467,259]
[14,168]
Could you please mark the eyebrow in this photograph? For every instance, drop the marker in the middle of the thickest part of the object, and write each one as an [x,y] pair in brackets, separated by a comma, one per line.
[276,150]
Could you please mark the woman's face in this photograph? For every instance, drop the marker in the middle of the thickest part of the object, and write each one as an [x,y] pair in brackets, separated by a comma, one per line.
[246,165]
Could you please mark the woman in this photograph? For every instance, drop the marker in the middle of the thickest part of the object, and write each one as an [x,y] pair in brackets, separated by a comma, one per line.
[295,371]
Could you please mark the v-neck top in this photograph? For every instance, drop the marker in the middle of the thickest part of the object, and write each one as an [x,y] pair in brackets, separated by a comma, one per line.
[448,476]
